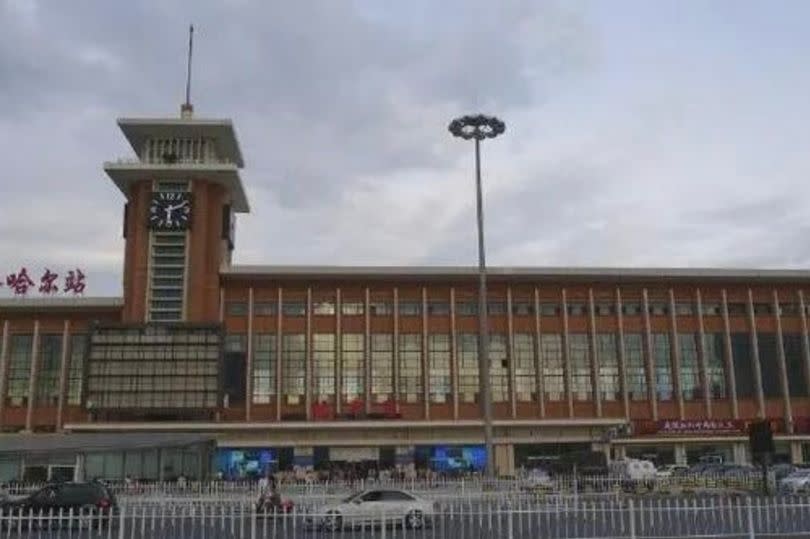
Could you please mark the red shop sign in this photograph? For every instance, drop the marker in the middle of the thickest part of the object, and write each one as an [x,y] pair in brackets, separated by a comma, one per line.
[700,426]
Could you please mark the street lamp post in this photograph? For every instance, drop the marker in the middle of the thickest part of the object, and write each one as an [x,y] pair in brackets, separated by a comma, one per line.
[480,127]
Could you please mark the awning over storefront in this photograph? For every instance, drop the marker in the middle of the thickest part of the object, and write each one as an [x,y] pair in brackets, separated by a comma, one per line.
[96,442]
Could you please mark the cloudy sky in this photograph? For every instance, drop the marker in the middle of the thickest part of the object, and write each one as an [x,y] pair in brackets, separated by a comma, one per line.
[666,133]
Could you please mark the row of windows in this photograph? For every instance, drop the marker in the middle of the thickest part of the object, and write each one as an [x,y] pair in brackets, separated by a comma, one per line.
[552,378]
[499,308]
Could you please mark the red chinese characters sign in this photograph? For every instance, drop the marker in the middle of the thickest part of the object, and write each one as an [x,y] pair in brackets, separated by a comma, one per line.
[20,282]
[700,426]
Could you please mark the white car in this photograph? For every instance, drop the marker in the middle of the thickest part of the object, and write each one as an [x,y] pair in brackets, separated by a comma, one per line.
[372,507]
[798,481]
[538,478]
[672,469]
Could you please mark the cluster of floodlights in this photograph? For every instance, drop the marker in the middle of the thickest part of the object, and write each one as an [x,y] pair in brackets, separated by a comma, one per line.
[477,126]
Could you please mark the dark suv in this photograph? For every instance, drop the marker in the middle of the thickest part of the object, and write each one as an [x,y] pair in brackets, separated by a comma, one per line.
[61,505]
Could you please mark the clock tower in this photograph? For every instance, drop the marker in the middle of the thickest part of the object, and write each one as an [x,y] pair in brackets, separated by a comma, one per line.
[183,189]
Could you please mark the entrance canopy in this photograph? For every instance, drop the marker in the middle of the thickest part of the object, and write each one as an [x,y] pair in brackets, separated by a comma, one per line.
[97,442]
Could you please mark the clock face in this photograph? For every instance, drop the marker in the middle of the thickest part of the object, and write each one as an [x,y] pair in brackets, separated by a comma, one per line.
[170,211]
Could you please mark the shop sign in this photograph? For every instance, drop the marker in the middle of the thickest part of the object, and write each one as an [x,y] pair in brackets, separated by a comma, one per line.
[700,426]
[20,282]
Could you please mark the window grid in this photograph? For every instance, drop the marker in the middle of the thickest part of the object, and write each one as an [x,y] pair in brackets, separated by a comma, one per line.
[498,367]
[323,359]
[264,368]
[553,367]
[468,386]
[50,353]
[410,367]
[581,383]
[714,348]
[690,370]
[19,370]
[352,385]
[663,366]
[293,367]
[636,370]
[609,377]
[75,382]
[525,369]
[439,358]
[382,367]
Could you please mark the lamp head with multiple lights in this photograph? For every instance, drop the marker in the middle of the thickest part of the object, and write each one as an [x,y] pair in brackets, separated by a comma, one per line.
[477,126]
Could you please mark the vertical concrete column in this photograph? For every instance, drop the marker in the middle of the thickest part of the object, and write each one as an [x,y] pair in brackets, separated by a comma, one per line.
[454,351]
[338,352]
[805,339]
[597,382]
[221,304]
[396,348]
[510,351]
[731,376]
[4,353]
[652,384]
[622,356]
[566,356]
[308,374]
[32,381]
[539,362]
[425,358]
[620,452]
[680,454]
[796,456]
[740,453]
[780,357]
[367,350]
[675,348]
[279,352]
[504,459]
[701,349]
[249,358]
[752,328]
[64,368]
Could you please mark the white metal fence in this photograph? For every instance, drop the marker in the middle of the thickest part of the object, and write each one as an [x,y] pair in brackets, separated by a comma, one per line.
[565,518]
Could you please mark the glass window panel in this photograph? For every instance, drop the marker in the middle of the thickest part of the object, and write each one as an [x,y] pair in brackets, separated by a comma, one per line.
[78,349]
[50,358]
[743,367]
[467,344]
[794,363]
[551,354]
[352,386]
[766,343]
[323,307]
[293,366]
[410,367]
[324,360]
[352,308]
[663,366]
[609,379]
[498,367]
[382,366]
[581,384]
[714,348]
[690,367]
[264,368]
[636,370]
[410,308]
[19,370]
[439,364]
[525,369]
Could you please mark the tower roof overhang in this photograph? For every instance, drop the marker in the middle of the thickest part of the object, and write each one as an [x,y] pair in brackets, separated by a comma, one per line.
[124,173]
[137,130]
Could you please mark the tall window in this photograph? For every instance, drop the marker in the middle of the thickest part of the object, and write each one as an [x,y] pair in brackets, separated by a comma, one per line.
[581,385]
[609,382]
[19,370]
[525,370]
[794,363]
[743,366]
[663,366]
[771,384]
[553,367]
[293,367]
[352,384]
[323,367]
[714,348]
[498,367]
[234,368]
[690,370]
[382,366]
[410,367]
[264,367]
[634,364]
[78,347]
[467,367]
[439,358]
[50,352]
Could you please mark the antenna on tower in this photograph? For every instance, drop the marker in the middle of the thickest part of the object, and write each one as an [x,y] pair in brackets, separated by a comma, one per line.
[187,108]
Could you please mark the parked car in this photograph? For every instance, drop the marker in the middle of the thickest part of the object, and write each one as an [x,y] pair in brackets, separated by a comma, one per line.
[51,506]
[781,471]
[798,481]
[374,507]
[633,469]
[672,470]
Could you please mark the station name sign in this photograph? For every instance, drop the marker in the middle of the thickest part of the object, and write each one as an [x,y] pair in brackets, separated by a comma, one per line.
[700,426]
[20,282]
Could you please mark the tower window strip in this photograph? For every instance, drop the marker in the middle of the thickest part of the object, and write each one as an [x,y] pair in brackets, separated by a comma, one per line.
[167,276]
